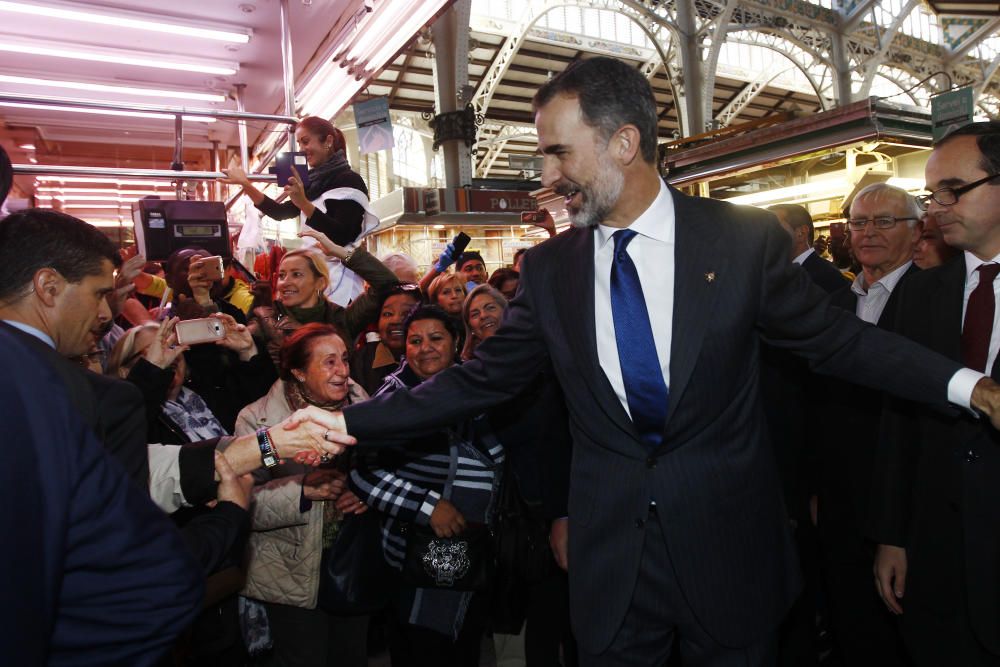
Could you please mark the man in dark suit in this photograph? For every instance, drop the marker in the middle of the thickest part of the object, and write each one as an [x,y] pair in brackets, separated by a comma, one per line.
[794,418]
[651,312]
[93,572]
[936,501]
[883,223]
[798,223]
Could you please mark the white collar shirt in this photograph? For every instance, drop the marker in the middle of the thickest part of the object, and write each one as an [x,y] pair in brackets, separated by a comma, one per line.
[872,303]
[37,333]
[652,252]
[800,260]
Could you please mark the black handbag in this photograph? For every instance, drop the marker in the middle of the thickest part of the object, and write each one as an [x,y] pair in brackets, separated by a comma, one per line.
[522,536]
[354,577]
[463,563]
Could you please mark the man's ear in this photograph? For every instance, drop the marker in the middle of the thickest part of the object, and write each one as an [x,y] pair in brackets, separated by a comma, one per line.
[625,143]
[48,284]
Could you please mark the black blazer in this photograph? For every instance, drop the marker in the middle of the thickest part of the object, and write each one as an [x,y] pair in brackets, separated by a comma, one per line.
[824,273]
[846,445]
[713,478]
[935,490]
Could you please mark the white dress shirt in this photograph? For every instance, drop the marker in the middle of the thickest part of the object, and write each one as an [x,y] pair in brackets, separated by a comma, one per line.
[871,302]
[965,380]
[37,333]
[652,252]
[800,260]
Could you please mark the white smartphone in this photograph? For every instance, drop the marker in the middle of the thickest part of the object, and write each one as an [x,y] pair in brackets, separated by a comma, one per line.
[204,330]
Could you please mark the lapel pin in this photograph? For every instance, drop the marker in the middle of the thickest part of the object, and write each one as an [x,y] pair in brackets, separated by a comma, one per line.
[710,277]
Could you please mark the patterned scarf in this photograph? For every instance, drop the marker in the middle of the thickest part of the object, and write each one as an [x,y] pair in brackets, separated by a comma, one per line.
[193,417]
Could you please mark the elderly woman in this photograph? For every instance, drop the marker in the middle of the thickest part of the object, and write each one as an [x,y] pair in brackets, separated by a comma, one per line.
[293,517]
[439,481]
[302,279]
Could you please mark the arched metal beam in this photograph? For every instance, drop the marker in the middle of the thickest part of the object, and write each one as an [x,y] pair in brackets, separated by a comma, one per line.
[884,42]
[745,96]
[784,50]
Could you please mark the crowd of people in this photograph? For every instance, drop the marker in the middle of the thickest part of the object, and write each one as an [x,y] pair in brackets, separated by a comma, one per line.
[710,458]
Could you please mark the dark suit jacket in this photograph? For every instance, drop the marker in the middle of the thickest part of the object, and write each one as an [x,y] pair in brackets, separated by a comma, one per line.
[791,405]
[936,490]
[824,273]
[713,478]
[92,573]
[846,446]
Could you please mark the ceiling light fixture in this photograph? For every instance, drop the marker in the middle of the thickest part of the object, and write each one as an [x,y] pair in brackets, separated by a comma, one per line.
[813,191]
[120,57]
[123,90]
[125,19]
[26,147]
[99,179]
[105,112]
[116,192]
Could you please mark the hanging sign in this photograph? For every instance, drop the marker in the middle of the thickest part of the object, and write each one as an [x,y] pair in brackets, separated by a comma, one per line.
[374,126]
[951,110]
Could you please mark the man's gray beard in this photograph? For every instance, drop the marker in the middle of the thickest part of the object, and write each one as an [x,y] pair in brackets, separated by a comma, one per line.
[599,200]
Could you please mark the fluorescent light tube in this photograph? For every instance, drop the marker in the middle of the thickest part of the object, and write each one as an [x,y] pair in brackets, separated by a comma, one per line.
[101,179]
[123,90]
[120,57]
[124,19]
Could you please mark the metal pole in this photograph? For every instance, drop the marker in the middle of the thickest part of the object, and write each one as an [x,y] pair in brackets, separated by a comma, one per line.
[242,126]
[216,186]
[178,163]
[287,69]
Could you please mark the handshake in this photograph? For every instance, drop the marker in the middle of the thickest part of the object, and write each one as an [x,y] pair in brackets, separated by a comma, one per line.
[311,436]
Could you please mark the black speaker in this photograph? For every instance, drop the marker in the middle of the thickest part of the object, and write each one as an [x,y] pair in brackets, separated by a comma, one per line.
[163,225]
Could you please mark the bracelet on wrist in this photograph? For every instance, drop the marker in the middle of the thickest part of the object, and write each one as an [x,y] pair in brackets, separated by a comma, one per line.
[268,452]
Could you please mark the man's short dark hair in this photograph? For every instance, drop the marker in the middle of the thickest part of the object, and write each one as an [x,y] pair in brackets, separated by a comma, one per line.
[468,256]
[796,216]
[987,136]
[611,94]
[38,238]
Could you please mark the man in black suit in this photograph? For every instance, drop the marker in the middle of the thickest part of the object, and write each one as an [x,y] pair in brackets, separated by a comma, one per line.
[936,501]
[676,523]
[883,223]
[798,223]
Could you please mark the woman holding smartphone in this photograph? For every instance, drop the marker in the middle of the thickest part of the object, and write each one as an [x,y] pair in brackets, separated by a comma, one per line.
[334,201]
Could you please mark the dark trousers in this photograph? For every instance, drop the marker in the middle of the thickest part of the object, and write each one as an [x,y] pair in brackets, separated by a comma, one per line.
[933,639]
[314,638]
[864,631]
[659,615]
[547,624]
[797,645]
[414,646]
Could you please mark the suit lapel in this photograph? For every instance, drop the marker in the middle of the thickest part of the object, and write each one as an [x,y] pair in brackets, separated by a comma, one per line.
[944,309]
[576,304]
[699,274]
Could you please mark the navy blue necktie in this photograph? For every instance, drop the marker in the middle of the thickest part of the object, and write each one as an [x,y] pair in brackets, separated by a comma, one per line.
[644,387]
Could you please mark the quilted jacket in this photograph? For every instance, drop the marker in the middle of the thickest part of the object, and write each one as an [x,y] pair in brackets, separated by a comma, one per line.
[286,542]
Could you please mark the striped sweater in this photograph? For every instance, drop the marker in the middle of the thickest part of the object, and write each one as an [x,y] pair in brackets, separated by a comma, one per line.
[405,484]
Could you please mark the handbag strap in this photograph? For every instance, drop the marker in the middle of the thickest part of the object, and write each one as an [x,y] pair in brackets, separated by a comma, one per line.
[452,464]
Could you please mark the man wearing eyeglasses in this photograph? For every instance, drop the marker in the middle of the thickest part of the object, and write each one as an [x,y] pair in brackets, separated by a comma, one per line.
[883,227]
[936,497]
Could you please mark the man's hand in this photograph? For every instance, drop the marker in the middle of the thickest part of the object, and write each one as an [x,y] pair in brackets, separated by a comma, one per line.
[890,575]
[164,350]
[326,429]
[323,484]
[986,399]
[446,520]
[232,487]
[559,542]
